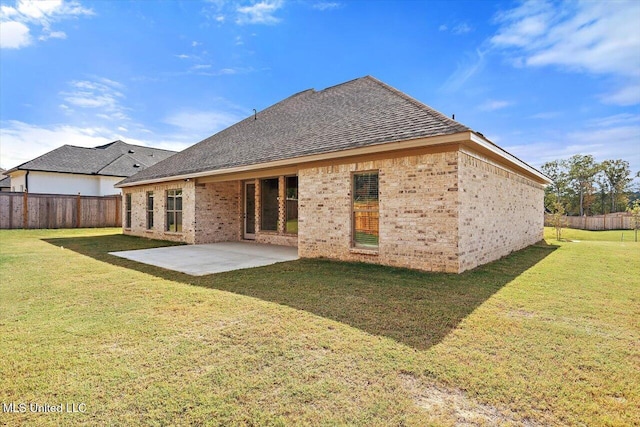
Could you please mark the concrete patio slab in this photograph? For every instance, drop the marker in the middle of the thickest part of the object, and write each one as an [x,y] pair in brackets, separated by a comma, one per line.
[199,260]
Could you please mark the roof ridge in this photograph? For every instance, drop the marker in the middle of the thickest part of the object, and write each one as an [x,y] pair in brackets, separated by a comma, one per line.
[118,158]
[415,102]
[344,83]
[146,146]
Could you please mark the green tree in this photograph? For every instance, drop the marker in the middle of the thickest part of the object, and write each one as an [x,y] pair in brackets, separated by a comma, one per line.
[582,171]
[557,190]
[603,193]
[618,176]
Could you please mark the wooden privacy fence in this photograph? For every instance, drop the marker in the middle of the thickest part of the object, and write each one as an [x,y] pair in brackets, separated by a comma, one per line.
[366,218]
[24,210]
[617,221]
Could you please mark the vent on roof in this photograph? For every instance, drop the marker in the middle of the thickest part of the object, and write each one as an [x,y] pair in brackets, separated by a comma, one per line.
[131,151]
[136,165]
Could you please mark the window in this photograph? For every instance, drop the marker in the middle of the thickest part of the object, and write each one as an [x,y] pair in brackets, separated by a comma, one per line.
[149,210]
[269,204]
[292,204]
[365,210]
[174,210]
[127,203]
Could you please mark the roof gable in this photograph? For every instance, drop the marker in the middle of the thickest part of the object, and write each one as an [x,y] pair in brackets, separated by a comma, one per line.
[358,113]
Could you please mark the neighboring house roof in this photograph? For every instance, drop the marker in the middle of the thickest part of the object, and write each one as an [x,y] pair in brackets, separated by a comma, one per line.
[357,113]
[5,182]
[114,159]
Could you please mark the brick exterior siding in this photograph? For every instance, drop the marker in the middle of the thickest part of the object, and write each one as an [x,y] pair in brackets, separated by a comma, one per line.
[446,211]
[417,205]
[500,211]
[139,211]
[218,214]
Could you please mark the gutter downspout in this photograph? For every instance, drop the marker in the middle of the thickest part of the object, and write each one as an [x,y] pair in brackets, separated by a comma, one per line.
[26,182]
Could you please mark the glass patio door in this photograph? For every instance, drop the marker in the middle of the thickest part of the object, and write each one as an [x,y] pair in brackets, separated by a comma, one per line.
[249,210]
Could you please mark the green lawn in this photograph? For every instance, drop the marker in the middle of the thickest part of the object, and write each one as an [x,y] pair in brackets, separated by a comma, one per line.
[546,336]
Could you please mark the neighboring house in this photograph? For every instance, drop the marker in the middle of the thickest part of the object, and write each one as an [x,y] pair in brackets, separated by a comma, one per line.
[88,171]
[357,172]
[5,181]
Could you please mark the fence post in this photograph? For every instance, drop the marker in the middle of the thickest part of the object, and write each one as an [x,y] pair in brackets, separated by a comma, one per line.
[117,205]
[25,209]
[78,209]
[10,212]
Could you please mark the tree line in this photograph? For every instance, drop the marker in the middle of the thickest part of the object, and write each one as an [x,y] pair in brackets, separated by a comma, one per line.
[582,186]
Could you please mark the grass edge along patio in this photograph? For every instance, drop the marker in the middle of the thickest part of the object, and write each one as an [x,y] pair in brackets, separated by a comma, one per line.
[355,172]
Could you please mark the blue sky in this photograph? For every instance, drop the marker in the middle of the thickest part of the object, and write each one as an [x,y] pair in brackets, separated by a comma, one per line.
[544,80]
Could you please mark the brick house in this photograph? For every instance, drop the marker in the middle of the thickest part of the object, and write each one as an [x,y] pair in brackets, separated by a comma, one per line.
[359,172]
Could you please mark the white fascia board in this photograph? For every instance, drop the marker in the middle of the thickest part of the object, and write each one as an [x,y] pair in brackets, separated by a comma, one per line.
[488,145]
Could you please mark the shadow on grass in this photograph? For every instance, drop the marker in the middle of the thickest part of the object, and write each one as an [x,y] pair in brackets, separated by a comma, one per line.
[414,308]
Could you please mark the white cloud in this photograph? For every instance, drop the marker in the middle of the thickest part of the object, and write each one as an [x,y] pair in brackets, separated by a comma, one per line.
[627,95]
[22,141]
[492,105]
[228,71]
[259,13]
[201,66]
[594,37]
[14,35]
[201,122]
[473,63]
[546,115]
[462,28]
[17,22]
[617,119]
[101,95]
[614,137]
[457,29]
[38,9]
[53,35]
[182,56]
[322,6]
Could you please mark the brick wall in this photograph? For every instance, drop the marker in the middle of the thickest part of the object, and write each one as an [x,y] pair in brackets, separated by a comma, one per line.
[139,211]
[418,213]
[218,214]
[500,211]
[448,211]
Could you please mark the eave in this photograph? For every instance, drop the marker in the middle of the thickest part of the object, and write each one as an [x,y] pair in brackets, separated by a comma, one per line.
[469,138]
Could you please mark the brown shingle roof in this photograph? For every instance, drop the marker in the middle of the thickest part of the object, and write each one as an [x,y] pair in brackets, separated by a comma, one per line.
[357,113]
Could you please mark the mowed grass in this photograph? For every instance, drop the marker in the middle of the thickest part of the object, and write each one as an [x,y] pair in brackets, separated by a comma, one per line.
[546,336]
[598,236]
